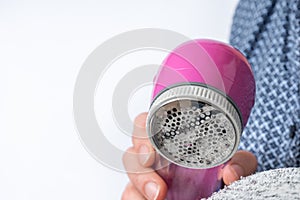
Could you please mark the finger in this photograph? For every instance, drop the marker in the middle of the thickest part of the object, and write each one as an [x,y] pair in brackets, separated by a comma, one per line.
[243,163]
[131,193]
[141,141]
[145,180]
[139,131]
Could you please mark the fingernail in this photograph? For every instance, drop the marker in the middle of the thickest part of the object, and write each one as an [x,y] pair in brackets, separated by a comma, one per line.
[144,154]
[151,190]
[237,170]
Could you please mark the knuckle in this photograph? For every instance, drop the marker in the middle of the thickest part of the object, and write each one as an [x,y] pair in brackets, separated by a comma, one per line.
[140,120]
[126,195]
[131,193]
[126,156]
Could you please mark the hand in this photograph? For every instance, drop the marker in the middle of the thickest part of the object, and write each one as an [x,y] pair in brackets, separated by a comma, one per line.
[145,183]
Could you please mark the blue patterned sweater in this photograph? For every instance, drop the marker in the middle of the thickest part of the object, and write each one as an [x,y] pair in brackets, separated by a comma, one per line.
[268,33]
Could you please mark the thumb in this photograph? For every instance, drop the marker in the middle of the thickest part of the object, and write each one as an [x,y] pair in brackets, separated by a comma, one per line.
[243,163]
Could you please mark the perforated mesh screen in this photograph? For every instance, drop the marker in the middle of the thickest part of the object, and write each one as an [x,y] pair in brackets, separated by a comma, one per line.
[193,134]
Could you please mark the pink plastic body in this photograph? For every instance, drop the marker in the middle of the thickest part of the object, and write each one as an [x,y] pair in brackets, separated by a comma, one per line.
[217,65]
[190,184]
[212,63]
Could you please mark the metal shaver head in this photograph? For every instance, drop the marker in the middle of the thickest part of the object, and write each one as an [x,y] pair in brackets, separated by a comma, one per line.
[202,97]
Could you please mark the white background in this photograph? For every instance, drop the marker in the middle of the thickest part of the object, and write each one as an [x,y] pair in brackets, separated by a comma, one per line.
[42,47]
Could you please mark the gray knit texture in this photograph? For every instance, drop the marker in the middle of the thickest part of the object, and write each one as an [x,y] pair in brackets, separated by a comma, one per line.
[277,184]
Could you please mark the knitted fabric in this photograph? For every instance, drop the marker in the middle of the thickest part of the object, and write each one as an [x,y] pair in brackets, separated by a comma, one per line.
[268,33]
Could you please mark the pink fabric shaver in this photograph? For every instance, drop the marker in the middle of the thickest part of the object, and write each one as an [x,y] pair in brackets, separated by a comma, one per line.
[202,98]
